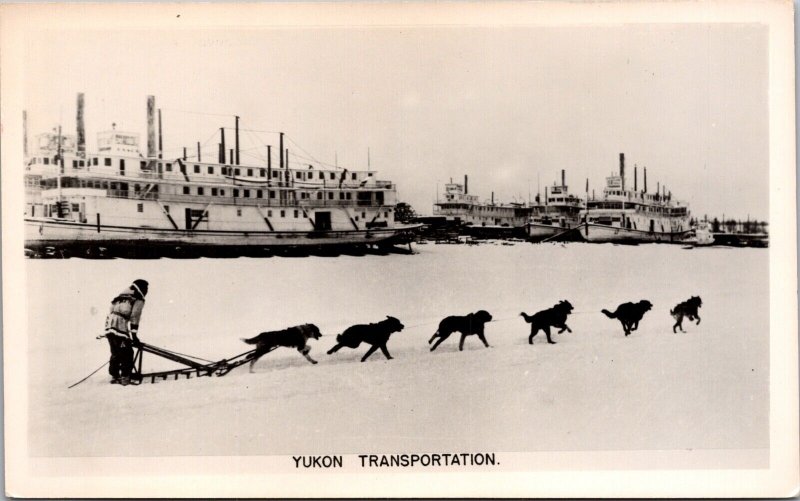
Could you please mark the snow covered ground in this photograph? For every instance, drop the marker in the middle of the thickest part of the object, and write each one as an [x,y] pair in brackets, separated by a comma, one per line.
[594,390]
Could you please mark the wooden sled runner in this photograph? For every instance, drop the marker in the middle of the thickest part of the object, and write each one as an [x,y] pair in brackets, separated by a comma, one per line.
[192,366]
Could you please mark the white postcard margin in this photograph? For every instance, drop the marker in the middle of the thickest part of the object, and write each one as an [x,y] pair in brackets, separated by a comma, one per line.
[573,474]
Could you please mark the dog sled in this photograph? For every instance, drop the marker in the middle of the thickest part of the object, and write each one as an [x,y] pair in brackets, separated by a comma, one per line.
[192,366]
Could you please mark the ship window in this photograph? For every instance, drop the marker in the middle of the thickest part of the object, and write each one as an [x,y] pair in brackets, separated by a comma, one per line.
[298,175]
[76,208]
[236,172]
[166,209]
[354,176]
[213,192]
[185,190]
[74,164]
[333,176]
[319,195]
[283,213]
[235,193]
[210,170]
[349,195]
[94,161]
[139,207]
[222,193]
[330,195]
[296,213]
[341,195]
[107,162]
[271,193]
[246,193]
[263,173]
[275,173]
[196,169]
[200,190]
[238,212]
[47,161]
[259,194]
[269,213]
[169,167]
[249,172]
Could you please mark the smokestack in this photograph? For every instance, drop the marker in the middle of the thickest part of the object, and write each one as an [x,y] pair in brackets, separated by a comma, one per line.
[622,169]
[281,150]
[25,132]
[237,140]
[160,139]
[269,163]
[492,198]
[220,153]
[563,179]
[198,152]
[230,157]
[658,187]
[466,191]
[81,129]
[644,188]
[222,145]
[151,128]
[635,178]
[184,153]
[545,195]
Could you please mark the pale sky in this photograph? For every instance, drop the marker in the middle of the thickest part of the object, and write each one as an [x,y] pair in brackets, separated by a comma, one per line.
[505,105]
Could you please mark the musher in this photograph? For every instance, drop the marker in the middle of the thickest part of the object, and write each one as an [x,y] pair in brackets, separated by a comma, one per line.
[122,325]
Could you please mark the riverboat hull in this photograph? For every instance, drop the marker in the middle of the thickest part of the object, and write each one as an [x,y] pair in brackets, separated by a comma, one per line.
[44,233]
[602,233]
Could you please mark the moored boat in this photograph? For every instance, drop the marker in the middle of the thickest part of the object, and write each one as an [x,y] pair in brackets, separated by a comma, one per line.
[481,219]
[632,216]
[559,214]
[117,199]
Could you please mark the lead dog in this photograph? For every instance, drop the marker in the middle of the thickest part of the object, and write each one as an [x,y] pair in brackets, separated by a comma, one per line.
[466,325]
[629,314]
[552,317]
[375,334]
[687,308]
[293,337]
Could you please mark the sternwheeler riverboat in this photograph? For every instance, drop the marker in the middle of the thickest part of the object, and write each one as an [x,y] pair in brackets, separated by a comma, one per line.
[559,214]
[481,219]
[632,216]
[119,201]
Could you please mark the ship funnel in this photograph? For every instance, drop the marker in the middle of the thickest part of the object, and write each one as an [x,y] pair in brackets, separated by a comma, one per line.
[81,130]
[622,169]
[466,185]
[644,188]
[222,145]
[635,178]
[151,126]
[563,179]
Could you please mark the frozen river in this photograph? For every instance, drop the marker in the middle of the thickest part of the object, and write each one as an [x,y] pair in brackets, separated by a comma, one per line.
[594,390]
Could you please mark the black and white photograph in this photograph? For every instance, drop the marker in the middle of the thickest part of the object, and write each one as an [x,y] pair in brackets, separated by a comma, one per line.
[390,249]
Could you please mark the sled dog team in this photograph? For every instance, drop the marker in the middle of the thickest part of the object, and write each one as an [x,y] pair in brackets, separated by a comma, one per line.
[377,335]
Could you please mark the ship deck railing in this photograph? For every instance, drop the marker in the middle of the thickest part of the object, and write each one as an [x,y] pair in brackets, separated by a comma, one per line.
[211,199]
[136,174]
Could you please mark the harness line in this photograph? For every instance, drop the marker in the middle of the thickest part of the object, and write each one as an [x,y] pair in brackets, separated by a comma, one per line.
[87,377]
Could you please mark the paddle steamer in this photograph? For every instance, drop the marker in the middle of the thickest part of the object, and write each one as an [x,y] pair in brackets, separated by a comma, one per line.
[632,216]
[481,219]
[559,214]
[119,199]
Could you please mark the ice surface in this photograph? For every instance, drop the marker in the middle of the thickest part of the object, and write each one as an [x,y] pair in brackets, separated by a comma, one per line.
[594,390]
